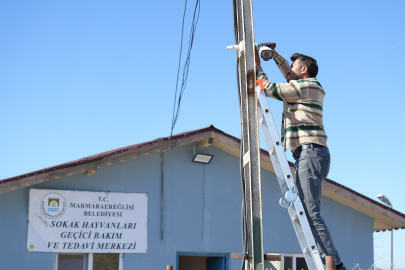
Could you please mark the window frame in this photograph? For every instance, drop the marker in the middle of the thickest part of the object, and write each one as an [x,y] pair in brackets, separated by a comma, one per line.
[224,255]
[294,257]
[88,260]
[85,261]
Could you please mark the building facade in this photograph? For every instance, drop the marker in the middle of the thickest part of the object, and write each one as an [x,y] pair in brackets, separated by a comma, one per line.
[193,209]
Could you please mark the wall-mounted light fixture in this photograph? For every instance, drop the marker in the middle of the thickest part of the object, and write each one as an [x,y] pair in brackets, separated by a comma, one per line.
[202,158]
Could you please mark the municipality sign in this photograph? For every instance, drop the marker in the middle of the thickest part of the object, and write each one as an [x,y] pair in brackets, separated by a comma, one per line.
[87,222]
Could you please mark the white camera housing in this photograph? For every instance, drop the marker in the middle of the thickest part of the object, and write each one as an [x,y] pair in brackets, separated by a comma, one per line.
[265,53]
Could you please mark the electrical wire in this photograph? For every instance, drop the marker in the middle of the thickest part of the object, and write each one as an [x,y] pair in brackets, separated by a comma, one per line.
[177,102]
[177,99]
[242,170]
[363,62]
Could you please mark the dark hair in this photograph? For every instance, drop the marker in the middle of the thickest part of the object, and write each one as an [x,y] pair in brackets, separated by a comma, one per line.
[308,61]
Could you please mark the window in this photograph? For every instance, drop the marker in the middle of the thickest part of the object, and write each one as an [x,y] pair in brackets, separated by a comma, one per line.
[72,261]
[202,261]
[89,261]
[293,262]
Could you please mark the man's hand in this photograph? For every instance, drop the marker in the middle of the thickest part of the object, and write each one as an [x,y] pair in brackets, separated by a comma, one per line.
[257,57]
[259,82]
[275,54]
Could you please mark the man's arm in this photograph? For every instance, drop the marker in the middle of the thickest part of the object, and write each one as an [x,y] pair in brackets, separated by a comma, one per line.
[282,64]
[288,92]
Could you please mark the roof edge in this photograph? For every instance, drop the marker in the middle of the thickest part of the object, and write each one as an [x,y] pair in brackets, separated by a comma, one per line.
[174,139]
[103,155]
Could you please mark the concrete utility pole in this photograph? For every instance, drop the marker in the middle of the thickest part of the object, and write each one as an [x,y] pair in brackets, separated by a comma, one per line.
[250,131]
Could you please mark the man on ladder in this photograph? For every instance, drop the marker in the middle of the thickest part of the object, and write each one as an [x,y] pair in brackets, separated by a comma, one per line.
[302,131]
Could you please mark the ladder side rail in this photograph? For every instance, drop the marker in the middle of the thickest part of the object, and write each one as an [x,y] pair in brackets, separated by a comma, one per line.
[309,258]
[295,218]
[282,169]
[278,148]
[299,221]
[274,160]
[306,236]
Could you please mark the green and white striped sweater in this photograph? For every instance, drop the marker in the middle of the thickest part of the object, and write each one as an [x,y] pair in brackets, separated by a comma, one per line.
[302,120]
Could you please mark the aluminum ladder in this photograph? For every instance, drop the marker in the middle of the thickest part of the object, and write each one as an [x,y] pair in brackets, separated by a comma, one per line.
[290,200]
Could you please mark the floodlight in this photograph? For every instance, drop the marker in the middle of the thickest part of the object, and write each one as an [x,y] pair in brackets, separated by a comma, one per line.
[202,158]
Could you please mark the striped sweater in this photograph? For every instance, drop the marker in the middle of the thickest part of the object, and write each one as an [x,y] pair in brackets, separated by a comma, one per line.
[302,120]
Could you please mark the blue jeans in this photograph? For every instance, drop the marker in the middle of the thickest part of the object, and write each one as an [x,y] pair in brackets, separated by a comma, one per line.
[311,167]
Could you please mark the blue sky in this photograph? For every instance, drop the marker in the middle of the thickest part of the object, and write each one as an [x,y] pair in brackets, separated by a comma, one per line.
[81,77]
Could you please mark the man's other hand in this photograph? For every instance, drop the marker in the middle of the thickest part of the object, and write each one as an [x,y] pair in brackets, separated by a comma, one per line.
[275,54]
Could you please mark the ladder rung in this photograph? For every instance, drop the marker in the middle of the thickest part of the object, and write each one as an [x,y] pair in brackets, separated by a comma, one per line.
[287,185]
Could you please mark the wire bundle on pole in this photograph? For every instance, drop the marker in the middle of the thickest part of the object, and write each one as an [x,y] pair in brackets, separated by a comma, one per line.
[177,102]
[177,99]
[242,170]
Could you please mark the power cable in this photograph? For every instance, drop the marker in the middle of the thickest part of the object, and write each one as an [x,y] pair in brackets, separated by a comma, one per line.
[363,62]
[177,100]
[242,170]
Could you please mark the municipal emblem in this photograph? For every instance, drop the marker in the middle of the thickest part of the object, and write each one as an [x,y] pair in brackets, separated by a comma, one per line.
[53,205]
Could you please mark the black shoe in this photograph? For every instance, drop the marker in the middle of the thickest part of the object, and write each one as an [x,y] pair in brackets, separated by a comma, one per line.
[340,266]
